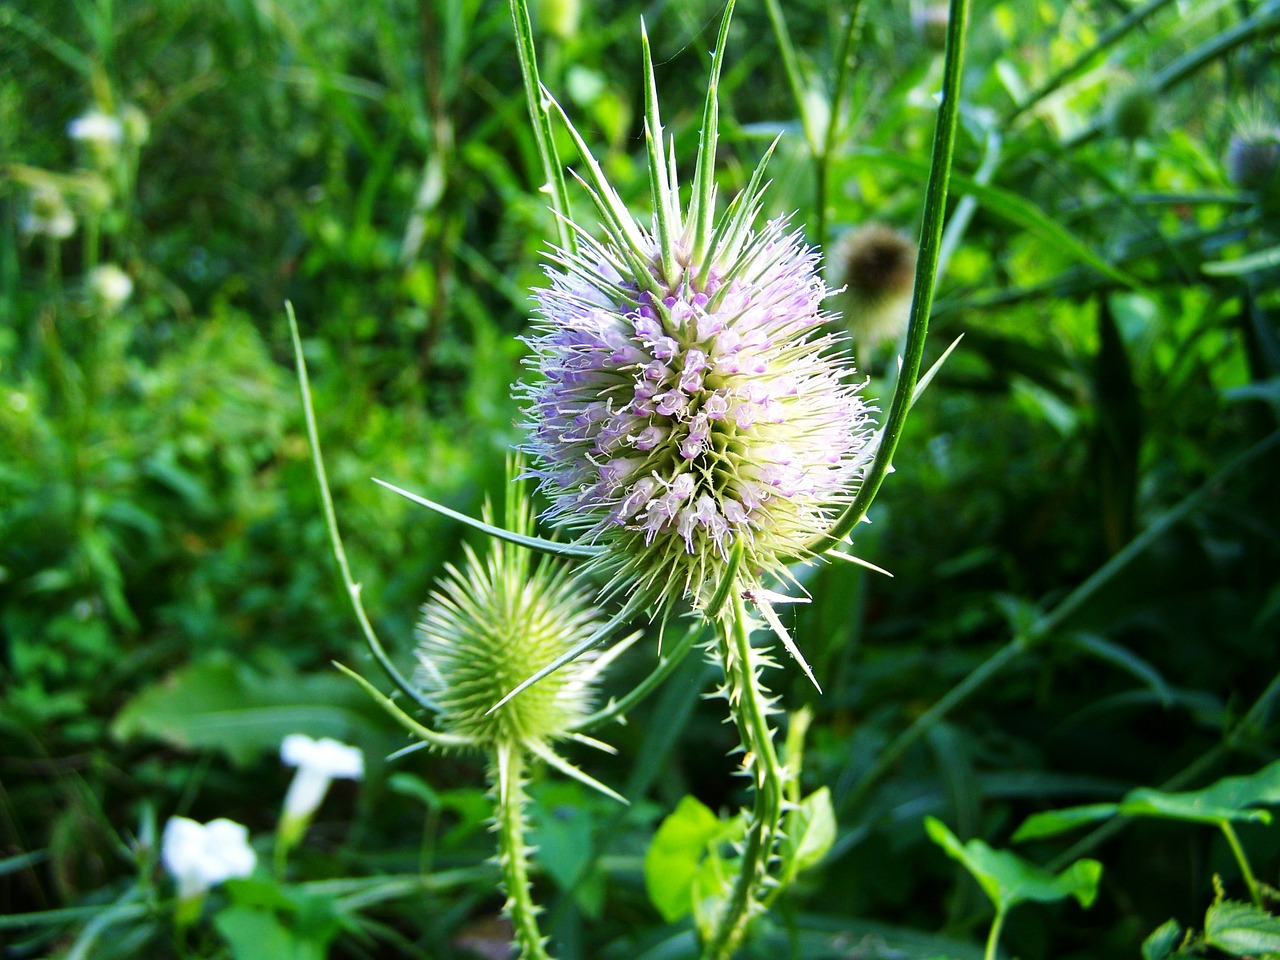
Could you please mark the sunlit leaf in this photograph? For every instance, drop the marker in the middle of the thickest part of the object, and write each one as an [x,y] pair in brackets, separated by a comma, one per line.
[1007,879]
[1241,929]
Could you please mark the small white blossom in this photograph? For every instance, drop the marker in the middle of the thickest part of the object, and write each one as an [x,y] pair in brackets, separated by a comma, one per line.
[48,214]
[318,763]
[110,286]
[202,855]
[96,127]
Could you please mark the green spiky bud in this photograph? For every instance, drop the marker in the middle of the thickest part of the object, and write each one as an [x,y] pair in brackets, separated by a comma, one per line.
[1133,111]
[496,622]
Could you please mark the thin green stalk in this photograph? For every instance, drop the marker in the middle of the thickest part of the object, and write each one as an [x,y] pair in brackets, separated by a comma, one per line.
[993,937]
[620,708]
[822,156]
[1234,842]
[935,205]
[1107,39]
[540,117]
[1262,24]
[331,522]
[1043,627]
[513,855]
[749,705]
[957,695]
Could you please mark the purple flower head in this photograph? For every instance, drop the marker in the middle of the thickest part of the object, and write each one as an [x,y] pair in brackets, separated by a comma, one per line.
[667,427]
[686,403]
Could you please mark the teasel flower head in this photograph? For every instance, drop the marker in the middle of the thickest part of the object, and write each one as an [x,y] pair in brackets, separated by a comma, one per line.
[874,267]
[1133,110]
[492,623]
[690,417]
[1253,155]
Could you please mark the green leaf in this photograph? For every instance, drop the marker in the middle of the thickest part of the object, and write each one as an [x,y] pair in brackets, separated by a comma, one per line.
[1008,880]
[1053,822]
[1241,929]
[222,704]
[811,831]
[258,935]
[1126,660]
[1229,799]
[1251,263]
[1162,941]
[563,833]
[677,867]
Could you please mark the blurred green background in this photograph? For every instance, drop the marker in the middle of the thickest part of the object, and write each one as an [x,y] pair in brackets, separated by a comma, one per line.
[168,602]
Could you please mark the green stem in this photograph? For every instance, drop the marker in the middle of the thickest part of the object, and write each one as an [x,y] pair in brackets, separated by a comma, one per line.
[935,206]
[993,938]
[666,665]
[1105,41]
[540,117]
[749,705]
[513,855]
[1234,842]
[331,521]
[1261,25]
[822,157]
[961,692]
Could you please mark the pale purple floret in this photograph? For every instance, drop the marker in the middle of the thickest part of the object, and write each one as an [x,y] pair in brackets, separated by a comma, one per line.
[712,415]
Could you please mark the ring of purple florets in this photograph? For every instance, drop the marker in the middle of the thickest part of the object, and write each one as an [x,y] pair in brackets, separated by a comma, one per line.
[712,414]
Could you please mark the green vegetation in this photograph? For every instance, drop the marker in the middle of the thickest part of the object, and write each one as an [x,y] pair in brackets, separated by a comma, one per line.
[1051,734]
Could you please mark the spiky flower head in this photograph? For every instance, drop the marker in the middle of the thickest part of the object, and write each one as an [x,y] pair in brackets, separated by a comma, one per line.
[1133,110]
[875,267]
[1253,155]
[689,417]
[495,622]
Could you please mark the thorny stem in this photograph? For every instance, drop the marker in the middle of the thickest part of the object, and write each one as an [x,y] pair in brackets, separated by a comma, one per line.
[507,775]
[750,707]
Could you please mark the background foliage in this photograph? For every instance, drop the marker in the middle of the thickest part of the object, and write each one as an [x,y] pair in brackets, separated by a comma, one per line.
[1063,624]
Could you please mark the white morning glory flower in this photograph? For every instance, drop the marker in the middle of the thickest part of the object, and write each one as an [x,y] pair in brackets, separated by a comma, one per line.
[318,763]
[203,855]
